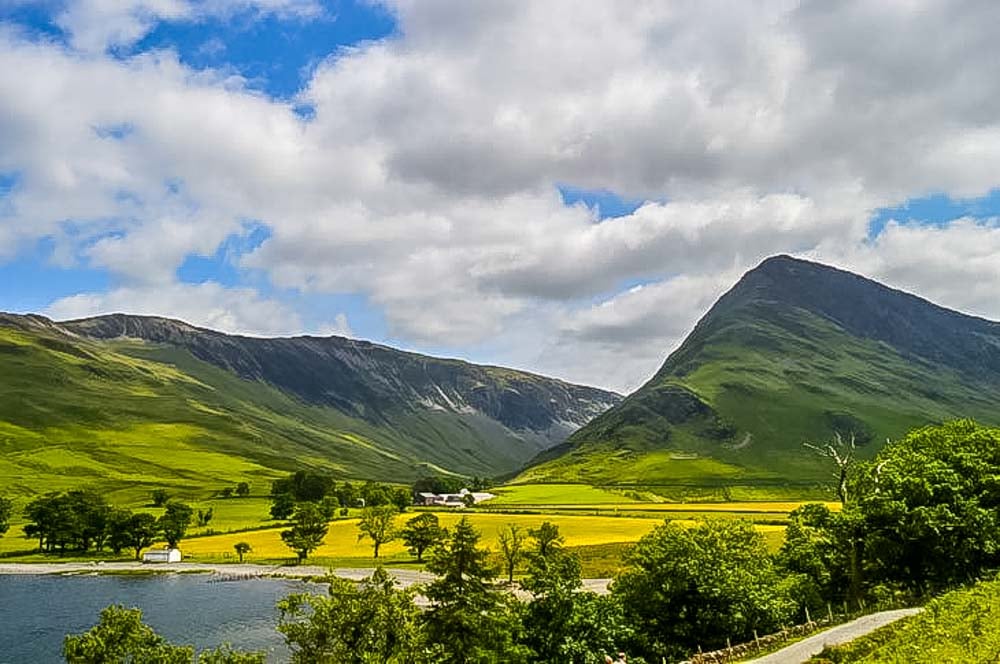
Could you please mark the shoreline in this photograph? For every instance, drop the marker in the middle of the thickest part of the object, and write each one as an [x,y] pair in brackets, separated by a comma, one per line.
[233,572]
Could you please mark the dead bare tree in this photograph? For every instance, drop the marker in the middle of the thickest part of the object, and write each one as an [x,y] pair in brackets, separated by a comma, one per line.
[843,455]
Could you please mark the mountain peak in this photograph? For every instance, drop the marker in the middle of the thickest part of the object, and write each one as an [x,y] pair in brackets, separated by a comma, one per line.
[795,352]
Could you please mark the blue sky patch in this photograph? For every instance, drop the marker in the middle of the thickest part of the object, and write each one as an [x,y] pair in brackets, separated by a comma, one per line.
[275,53]
[30,283]
[936,210]
[607,203]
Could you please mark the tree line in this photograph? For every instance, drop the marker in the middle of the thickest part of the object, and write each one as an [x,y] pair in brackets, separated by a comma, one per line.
[81,521]
[329,496]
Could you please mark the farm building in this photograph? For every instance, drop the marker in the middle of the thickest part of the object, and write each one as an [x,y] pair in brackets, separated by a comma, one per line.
[452,499]
[162,556]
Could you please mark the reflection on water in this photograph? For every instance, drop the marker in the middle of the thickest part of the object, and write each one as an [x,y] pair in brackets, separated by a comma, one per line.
[36,612]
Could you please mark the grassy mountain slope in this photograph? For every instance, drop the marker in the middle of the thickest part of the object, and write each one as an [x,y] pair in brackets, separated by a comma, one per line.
[124,413]
[794,352]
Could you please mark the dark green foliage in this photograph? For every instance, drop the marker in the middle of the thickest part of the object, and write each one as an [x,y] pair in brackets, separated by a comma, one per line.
[242,549]
[119,521]
[72,521]
[243,489]
[546,538]
[368,623]
[303,485]
[472,621]
[141,531]
[205,517]
[160,497]
[818,547]
[402,498]
[122,638]
[439,484]
[378,525]
[308,529]
[929,507]
[282,506]
[174,522]
[422,533]
[226,492]
[6,507]
[690,587]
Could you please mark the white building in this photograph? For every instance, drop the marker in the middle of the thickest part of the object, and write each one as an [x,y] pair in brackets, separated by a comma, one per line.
[162,556]
[452,499]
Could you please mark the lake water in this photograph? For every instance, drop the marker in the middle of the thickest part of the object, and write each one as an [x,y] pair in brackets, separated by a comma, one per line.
[36,612]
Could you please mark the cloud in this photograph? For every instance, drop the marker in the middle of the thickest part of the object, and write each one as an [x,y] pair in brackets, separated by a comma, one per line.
[426,179]
[233,310]
[93,26]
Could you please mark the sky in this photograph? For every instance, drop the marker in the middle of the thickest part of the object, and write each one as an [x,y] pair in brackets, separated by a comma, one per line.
[557,186]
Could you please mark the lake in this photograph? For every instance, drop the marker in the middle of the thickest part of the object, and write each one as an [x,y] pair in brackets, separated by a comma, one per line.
[36,612]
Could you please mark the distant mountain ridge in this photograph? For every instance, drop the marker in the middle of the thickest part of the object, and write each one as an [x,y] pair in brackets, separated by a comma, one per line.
[357,408]
[795,351]
[368,380]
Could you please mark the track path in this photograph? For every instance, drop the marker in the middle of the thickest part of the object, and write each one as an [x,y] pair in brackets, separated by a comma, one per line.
[803,650]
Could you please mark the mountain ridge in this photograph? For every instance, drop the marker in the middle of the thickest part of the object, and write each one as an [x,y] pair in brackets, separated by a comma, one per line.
[793,352]
[356,408]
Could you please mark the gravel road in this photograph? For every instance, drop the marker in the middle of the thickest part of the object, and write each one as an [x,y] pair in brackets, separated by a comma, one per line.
[813,645]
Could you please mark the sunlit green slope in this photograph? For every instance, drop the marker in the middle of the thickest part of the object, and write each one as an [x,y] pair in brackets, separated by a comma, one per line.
[127,413]
[794,352]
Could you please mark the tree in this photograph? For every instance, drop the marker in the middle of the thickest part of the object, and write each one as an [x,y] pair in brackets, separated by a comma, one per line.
[226,492]
[546,538]
[242,548]
[75,520]
[927,507]
[160,497]
[378,524]
[174,523]
[141,531]
[119,523]
[842,453]
[421,533]
[819,547]
[472,621]
[368,623]
[307,531]
[243,489]
[686,587]
[205,517]
[282,506]
[304,486]
[6,508]
[121,637]
[402,498]
[553,579]
[511,539]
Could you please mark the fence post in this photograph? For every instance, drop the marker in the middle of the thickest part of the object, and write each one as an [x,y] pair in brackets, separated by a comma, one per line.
[808,619]
[756,639]
[829,611]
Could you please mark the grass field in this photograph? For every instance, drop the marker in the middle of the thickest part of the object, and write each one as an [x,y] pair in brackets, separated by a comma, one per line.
[961,627]
[342,547]
[561,494]
[598,523]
